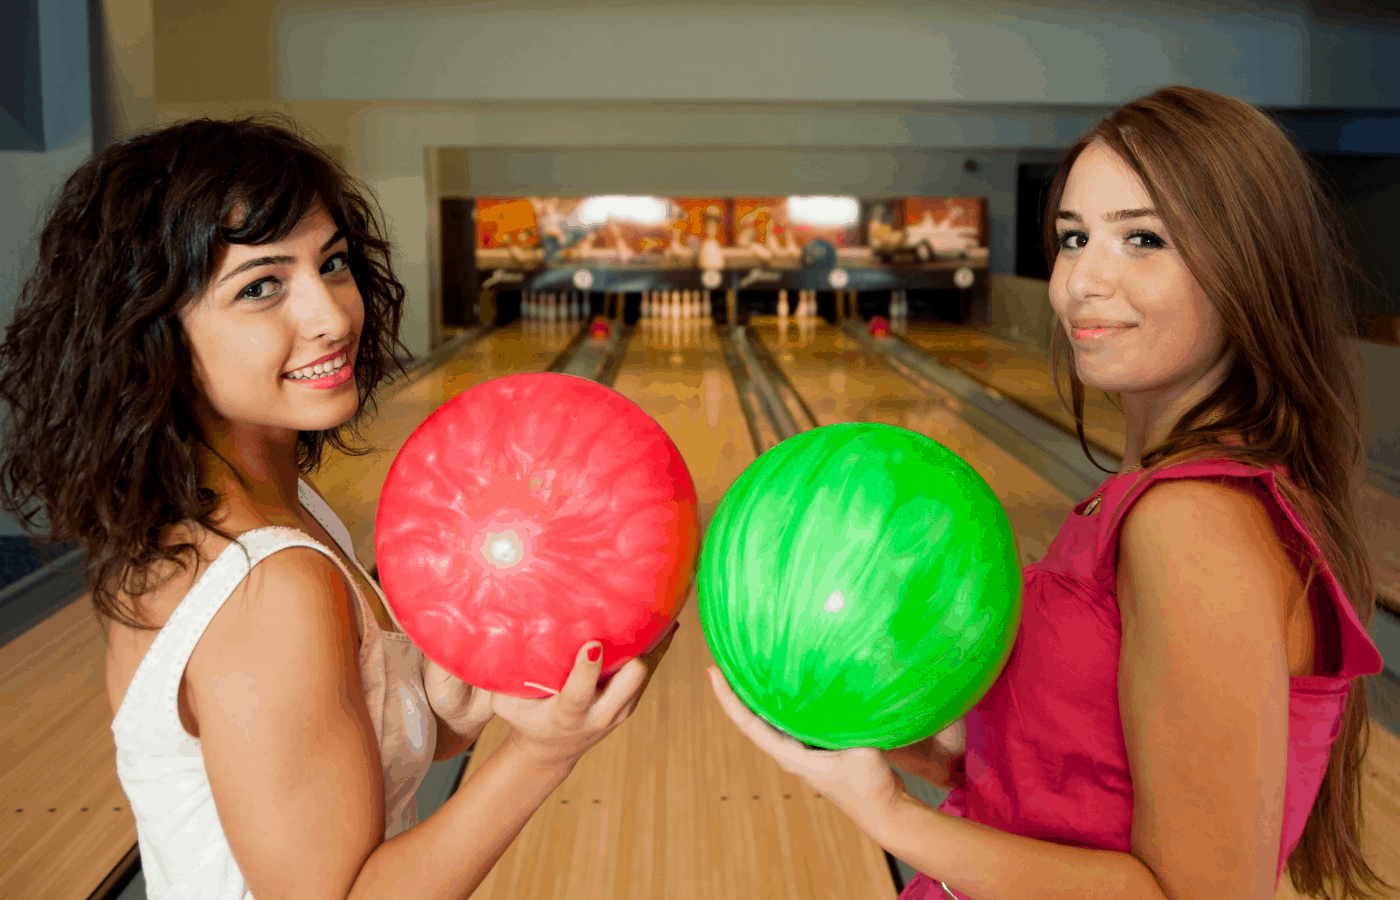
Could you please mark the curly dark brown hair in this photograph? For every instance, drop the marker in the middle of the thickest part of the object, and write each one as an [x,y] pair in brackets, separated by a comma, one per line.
[95,370]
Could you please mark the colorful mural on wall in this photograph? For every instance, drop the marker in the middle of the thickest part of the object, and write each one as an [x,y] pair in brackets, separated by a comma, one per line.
[721,233]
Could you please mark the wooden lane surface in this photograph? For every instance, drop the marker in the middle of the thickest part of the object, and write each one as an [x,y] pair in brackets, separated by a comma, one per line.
[840,381]
[1024,374]
[353,484]
[1018,372]
[676,804]
[64,821]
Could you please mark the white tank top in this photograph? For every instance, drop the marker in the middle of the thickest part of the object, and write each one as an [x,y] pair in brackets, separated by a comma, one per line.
[161,767]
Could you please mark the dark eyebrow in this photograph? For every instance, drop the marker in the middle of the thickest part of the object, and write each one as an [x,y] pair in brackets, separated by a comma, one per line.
[278,260]
[1121,215]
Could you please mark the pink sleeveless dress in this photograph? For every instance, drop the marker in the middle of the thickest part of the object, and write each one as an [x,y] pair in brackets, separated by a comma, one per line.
[1045,753]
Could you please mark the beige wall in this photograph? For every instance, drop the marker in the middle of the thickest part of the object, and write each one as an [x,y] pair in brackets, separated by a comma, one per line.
[128,62]
[213,51]
[1020,310]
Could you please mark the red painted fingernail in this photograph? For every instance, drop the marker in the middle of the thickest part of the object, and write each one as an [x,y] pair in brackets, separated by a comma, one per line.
[594,653]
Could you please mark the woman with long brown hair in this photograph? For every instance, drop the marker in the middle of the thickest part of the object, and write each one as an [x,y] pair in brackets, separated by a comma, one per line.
[213,306]
[1182,714]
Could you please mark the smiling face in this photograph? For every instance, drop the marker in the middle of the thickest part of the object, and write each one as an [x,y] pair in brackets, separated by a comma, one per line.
[274,337]
[1136,318]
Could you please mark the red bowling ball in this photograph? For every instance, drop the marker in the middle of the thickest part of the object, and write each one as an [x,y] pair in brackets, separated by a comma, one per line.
[531,514]
[879,327]
[601,330]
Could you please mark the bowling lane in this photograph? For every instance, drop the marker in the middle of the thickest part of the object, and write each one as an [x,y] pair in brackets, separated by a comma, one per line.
[677,804]
[353,484]
[1020,373]
[843,382]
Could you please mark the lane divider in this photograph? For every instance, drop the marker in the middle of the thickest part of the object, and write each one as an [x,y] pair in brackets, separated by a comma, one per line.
[1045,449]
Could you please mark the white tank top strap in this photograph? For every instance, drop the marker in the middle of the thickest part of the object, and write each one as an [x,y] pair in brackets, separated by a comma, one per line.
[326,517]
[170,652]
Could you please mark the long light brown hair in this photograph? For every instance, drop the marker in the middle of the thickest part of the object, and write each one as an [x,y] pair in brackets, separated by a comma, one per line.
[1256,229]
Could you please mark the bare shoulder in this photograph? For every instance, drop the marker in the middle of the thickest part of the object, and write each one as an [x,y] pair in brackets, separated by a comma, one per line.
[1199,521]
[288,626]
[1214,542]
[1204,584]
[291,587]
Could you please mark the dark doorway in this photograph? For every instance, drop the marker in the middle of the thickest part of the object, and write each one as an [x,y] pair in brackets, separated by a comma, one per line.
[1367,191]
[459,280]
[1032,184]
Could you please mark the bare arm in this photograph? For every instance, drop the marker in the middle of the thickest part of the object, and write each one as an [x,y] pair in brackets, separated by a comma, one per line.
[1203,587]
[292,761]
[472,830]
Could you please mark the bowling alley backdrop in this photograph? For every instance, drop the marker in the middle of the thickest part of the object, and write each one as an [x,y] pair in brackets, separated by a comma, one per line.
[629,245]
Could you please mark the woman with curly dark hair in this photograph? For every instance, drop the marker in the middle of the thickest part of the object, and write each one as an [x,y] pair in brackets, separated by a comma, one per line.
[213,306]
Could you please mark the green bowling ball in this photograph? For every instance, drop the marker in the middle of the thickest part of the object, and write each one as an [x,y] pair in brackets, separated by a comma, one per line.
[859,586]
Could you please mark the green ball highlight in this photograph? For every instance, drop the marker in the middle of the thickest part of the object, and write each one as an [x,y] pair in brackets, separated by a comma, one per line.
[859,586]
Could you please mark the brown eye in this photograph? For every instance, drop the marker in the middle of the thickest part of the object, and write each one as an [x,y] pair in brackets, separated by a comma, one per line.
[1150,240]
[255,291]
[1065,235]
